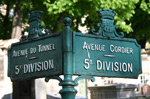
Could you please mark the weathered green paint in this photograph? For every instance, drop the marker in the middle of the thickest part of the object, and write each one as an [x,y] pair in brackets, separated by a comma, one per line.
[106,53]
[34,59]
[106,27]
[35,30]
[74,54]
[38,54]
[68,91]
[99,56]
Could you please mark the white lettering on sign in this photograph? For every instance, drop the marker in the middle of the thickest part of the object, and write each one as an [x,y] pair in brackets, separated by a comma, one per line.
[35,67]
[33,50]
[94,47]
[114,66]
[119,49]
[87,63]
[17,69]
[107,65]
[49,47]
[38,66]
[18,53]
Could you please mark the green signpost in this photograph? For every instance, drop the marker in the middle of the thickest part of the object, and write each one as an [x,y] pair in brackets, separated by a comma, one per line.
[98,56]
[38,55]
[39,58]
[102,53]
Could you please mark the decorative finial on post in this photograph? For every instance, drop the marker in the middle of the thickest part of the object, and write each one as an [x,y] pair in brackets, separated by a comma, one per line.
[67,21]
[107,27]
[106,14]
[35,29]
[35,16]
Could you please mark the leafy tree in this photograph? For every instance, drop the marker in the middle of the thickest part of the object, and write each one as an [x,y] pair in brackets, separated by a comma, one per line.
[141,23]
[131,15]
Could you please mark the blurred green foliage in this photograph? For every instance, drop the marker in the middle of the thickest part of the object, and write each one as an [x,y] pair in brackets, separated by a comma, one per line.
[133,16]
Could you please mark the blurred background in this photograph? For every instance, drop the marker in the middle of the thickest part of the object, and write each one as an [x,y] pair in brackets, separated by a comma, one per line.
[132,18]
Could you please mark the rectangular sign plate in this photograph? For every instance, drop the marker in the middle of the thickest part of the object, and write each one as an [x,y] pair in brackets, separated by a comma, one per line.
[97,56]
[37,58]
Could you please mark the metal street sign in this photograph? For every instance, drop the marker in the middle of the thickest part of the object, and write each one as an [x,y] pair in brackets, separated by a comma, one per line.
[38,54]
[102,53]
[99,56]
[34,59]
[105,52]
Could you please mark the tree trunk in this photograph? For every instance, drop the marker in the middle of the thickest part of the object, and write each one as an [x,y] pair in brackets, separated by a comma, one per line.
[17,24]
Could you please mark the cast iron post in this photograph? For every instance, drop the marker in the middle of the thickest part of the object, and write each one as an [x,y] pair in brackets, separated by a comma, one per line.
[68,91]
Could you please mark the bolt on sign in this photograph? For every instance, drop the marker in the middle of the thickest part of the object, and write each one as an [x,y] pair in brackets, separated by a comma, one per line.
[37,55]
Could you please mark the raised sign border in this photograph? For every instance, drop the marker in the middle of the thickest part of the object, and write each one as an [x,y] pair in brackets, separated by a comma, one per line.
[75,34]
[58,69]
